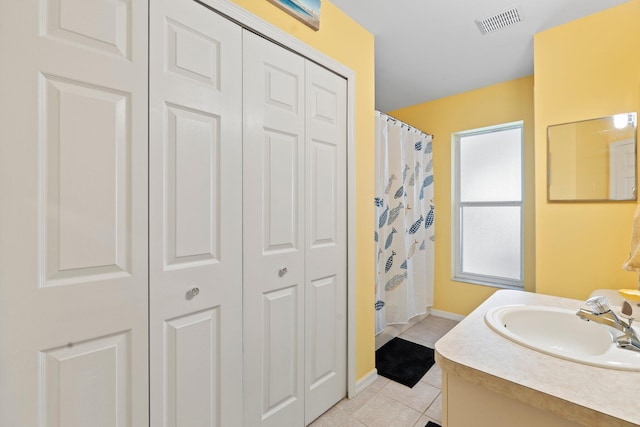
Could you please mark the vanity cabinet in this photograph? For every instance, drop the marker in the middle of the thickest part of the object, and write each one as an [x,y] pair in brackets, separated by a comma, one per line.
[490,381]
[465,403]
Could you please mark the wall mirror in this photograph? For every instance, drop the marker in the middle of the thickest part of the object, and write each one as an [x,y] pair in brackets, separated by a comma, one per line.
[593,160]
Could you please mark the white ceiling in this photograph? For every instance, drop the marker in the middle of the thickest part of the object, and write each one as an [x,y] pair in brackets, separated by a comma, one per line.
[427,49]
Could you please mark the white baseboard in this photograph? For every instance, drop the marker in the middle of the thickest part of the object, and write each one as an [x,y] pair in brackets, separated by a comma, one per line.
[447,315]
[365,381]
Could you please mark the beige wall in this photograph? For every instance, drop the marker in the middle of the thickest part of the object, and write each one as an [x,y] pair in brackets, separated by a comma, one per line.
[585,69]
[344,40]
[502,103]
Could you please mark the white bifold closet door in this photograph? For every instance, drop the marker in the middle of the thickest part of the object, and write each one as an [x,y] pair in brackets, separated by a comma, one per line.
[73,214]
[325,240]
[294,236]
[196,217]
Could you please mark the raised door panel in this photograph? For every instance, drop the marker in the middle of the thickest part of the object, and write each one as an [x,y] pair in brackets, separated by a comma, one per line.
[622,170]
[193,54]
[101,25]
[323,319]
[326,229]
[279,362]
[273,234]
[192,370]
[73,202]
[87,384]
[192,196]
[279,181]
[84,181]
[323,173]
[195,224]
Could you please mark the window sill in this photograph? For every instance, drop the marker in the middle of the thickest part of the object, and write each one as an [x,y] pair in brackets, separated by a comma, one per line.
[489,283]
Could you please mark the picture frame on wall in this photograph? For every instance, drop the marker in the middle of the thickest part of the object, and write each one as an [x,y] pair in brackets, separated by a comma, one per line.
[307,11]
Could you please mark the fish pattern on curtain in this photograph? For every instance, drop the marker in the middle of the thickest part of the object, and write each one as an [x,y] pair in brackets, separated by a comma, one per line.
[404,222]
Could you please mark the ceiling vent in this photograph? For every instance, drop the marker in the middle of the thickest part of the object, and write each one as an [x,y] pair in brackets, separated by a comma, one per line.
[504,19]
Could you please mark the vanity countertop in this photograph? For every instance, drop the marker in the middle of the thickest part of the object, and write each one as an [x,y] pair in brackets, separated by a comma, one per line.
[589,395]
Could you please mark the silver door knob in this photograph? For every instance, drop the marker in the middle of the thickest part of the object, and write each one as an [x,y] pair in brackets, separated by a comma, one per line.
[192,292]
[283,271]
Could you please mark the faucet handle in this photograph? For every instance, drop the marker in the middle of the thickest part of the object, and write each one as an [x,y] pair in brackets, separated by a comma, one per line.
[598,304]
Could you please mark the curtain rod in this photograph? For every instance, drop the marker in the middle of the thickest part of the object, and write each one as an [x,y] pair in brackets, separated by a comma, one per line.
[389,116]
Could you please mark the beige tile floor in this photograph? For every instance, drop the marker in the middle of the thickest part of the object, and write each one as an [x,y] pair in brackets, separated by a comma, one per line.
[386,403]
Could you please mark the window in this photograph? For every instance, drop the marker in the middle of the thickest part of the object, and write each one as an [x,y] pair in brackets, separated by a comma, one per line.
[489,209]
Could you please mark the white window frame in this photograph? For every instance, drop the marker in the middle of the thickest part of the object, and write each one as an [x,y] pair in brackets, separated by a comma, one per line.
[456,232]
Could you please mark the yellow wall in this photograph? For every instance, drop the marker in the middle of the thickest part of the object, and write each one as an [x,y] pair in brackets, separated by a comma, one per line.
[584,69]
[347,42]
[502,103]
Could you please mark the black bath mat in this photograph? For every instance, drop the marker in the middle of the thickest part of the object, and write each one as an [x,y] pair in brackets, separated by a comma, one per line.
[432,424]
[404,361]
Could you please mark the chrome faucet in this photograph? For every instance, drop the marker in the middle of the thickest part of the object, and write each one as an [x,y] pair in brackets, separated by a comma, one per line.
[601,313]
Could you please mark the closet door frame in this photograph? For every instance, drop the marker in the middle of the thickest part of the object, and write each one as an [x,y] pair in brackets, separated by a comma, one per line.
[264,29]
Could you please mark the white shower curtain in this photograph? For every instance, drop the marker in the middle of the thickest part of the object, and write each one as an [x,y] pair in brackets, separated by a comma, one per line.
[404,222]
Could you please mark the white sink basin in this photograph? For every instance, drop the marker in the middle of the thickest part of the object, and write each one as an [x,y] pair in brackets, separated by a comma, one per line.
[559,332]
